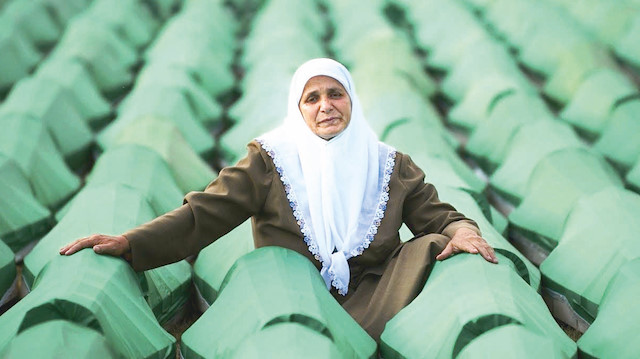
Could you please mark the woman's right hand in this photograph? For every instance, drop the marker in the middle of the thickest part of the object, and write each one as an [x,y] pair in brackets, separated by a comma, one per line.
[117,246]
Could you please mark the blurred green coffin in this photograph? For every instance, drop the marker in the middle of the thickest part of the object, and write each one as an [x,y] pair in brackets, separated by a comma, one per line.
[22,218]
[614,333]
[557,182]
[265,288]
[26,141]
[600,235]
[620,140]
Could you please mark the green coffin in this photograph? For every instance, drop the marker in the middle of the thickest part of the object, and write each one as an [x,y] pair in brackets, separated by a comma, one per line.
[34,20]
[104,295]
[557,182]
[26,141]
[282,340]
[17,55]
[266,287]
[189,171]
[113,208]
[600,236]
[530,144]
[131,19]
[522,343]
[55,106]
[490,140]
[204,109]
[475,106]
[620,140]
[486,58]
[86,98]
[633,177]
[591,106]
[22,218]
[215,260]
[614,333]
[466,297]
[109,209]
[627,46]
[7,268]
[106,56]
[199,40]
[477,207]
[59,339]
[140,168]
[161,103]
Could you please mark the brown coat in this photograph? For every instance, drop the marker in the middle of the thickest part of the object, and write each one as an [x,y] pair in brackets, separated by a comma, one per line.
[390,273]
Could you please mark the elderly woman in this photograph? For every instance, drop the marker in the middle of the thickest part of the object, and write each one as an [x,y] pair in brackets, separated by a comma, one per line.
[324,186]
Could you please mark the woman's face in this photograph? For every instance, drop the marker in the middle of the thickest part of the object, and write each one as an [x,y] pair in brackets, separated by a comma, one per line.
[325,106]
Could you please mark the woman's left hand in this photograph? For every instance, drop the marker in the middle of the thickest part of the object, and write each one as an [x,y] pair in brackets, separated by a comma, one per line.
[466,240]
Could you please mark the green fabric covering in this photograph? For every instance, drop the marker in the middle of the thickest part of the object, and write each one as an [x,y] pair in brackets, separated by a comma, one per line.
[108,209]
[26,141]
[386,99]
[477,207]
[475,107]
[483,60]
[490,140]
[54,105]
[34,20]
[17,55]
[453,42]
[215,260]
[627,46]
[7,268]
[530,144]
[104,54]
[608,20]
[581,266]
[113,208]
[22,218]
[289,44]
[140,168]
[131,19]
[576,64]
[267,286]
[522,343]
[590,108]
[58,339]
[65,10]
[437,22]
[614,332]
[464,297]
[204,108]
[550,38]
[104,295]
[512,18]
[190,172]
[381,50]
[620,140]
[199,40]
[431,149]
[169,288]
[633,177]
[86,98]
[556,183]
[287,341]
[163,103]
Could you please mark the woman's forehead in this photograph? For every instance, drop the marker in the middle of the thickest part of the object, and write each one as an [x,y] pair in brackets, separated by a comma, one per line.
[322,81]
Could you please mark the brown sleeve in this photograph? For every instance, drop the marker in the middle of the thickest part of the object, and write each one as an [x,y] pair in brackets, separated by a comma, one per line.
[423,212]
[237,194]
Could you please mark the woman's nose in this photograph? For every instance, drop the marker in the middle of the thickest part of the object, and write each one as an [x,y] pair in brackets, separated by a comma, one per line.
[325,105]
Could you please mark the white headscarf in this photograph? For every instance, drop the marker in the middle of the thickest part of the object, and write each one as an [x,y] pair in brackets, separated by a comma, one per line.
[337,189]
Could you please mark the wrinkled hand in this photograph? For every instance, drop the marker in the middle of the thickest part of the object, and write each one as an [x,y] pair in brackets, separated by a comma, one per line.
[466,240]
[102,244]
